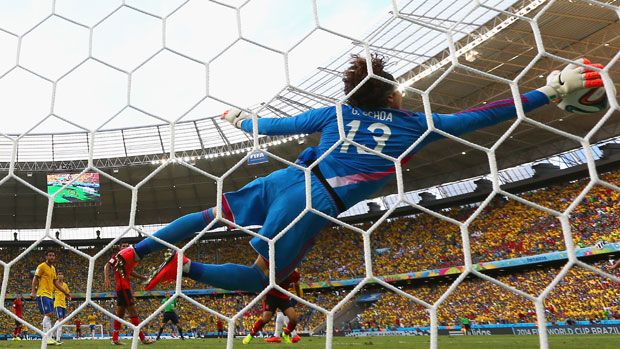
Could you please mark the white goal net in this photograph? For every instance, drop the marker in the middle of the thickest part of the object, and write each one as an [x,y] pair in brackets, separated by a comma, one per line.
[455,38]
[70,330]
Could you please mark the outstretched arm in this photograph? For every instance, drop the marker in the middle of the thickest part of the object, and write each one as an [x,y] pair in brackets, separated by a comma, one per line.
[307,122]
[487,115]
[559,84]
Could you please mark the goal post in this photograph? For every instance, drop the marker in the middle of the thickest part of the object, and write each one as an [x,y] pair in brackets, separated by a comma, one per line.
[86,333]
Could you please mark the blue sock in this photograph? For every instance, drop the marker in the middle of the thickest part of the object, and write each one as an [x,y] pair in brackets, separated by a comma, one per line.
[233,277]
[180,229]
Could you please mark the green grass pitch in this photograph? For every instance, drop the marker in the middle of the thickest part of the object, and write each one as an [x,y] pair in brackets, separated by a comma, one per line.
[472,342]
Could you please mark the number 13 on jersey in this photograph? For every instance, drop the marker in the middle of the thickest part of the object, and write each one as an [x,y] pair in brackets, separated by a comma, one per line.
[380,133]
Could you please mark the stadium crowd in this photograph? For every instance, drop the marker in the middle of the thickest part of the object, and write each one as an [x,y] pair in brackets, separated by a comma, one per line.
[504,229]
[580,295]
[226,304]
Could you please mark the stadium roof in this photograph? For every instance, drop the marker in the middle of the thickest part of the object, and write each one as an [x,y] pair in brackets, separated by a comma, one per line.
[200,130]
[569,29]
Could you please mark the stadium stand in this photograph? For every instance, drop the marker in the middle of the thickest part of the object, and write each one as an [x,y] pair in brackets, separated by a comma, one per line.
[404,245]
[485,304]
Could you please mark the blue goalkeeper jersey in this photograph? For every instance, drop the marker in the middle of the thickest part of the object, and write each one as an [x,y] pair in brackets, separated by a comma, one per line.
[356,174]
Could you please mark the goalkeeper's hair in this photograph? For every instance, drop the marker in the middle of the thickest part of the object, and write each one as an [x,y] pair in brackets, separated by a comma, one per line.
[374,93]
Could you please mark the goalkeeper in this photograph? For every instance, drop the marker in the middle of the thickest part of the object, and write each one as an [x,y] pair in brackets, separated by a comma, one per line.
[344,177]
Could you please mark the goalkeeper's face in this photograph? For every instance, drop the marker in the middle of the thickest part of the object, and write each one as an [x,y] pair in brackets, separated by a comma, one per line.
[395,100]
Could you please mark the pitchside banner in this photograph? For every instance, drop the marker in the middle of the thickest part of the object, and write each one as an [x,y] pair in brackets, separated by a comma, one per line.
[559,330]
[551,330]
[388,333]
[569,330]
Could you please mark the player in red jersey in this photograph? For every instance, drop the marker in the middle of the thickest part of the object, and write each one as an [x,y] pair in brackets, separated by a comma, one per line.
[18,305]
[78,328]
[124,298]
[275,300]
[220,328]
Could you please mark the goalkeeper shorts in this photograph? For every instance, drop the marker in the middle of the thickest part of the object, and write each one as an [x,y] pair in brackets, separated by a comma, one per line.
[274,202]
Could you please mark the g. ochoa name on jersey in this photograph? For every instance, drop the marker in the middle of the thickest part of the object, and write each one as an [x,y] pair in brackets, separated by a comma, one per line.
[375,114]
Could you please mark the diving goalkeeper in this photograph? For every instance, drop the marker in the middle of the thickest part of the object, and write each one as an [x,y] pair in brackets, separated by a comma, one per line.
[345,176]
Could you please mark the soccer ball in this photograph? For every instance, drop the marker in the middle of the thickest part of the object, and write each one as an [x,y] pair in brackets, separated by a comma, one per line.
[585,101]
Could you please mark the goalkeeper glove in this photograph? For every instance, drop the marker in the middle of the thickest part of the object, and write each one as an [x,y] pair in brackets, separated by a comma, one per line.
[236,116]
[572,78]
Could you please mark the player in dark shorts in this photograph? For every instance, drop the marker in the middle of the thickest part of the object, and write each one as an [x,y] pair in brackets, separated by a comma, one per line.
[170,316]
[466,325]
[125,302]
[275,300]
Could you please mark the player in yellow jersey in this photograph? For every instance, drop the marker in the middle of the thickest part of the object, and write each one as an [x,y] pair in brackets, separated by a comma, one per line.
[24,331]
[193,327]
[92,321]
[60,303]
[44,283]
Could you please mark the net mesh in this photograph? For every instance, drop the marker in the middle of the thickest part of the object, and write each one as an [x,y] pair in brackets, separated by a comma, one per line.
[453,60]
